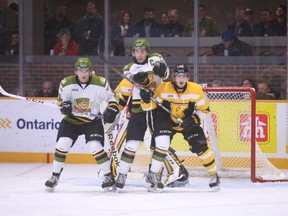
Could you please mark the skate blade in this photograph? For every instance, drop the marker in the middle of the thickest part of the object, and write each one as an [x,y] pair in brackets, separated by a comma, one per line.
[49,189]
[153,189]
[215,189]
[110,189]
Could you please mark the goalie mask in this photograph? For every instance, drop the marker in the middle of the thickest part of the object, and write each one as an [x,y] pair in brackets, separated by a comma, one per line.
[140,50]
[180,77]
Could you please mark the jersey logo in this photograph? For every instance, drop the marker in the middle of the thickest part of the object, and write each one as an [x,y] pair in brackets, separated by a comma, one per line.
[102,80]
[82,106]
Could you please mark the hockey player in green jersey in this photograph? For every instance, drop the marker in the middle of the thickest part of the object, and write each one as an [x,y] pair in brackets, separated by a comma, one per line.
[174,172]
[146,71]
[79,96]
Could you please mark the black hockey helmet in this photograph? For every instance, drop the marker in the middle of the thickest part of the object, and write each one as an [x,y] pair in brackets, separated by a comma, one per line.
[181,68]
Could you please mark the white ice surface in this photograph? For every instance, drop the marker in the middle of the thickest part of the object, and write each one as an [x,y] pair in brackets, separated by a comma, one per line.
[22,193]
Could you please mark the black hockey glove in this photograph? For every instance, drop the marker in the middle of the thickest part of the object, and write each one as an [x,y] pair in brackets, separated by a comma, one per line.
[190,122]
[159,69]
[66,107]
[141,78]
[110,114]
[190,109]
[145,95]
[166,104]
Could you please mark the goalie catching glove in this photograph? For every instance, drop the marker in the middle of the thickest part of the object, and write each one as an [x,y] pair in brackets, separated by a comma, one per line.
[190,122]
[66,107]
[110,114]
[145,95]
[160,69]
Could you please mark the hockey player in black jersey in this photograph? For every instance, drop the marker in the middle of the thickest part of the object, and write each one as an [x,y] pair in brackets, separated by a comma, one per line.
[186,100]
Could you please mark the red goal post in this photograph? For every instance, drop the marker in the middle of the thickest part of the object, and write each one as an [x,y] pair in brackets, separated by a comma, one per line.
[231,131]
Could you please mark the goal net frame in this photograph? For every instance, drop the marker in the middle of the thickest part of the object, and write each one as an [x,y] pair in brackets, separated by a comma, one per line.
[253,122]
[257,167]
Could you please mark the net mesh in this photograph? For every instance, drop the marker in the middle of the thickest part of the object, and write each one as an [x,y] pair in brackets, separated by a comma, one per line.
[228,129]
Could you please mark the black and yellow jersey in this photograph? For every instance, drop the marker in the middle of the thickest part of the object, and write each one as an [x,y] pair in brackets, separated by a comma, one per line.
[122,92]
[192,100]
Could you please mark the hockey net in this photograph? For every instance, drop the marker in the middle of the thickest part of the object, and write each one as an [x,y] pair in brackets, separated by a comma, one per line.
[230,129]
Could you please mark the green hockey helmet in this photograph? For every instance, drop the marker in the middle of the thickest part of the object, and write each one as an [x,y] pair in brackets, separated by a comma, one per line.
[142,43]
[83,63]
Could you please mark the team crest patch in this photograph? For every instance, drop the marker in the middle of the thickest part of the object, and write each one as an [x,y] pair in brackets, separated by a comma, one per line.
[82,105]
[102,80]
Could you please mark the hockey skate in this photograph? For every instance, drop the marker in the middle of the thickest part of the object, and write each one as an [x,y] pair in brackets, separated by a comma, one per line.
[214,182]
[109,182]
[120,182]
[52,182]
[153,182]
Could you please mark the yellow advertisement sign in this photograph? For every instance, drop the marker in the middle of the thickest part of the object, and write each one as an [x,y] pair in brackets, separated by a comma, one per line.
[232,124]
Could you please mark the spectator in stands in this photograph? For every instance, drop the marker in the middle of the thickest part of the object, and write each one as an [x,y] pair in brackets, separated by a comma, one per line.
[265,27]
[164,24]
[265,92]
[13,47]
[249,17]
[280,21]
[231,46]
[48,90]
[248,82]
[175,28]
[208,26]
[119,32]
[146,27]
[14,6]
[53,26]
[65,46]
[216,83]
[284,53]
[240,27]
[8,24]
[89,31]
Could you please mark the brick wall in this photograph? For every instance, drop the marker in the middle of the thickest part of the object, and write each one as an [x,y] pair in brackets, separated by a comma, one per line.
[231,75]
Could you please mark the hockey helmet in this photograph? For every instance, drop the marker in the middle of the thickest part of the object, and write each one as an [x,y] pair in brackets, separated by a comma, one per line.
[83,63]
[142,43]
[181,68]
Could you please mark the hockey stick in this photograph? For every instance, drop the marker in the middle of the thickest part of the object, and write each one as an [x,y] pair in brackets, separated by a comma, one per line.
[154,97]
[113,153]
[3,92]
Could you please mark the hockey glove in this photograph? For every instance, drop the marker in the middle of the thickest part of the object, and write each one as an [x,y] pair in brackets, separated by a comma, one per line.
[190,122]
[166,104]
[141,78]
[66,107]
[160,69]
[190,109]
[145,95]
[110,114]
